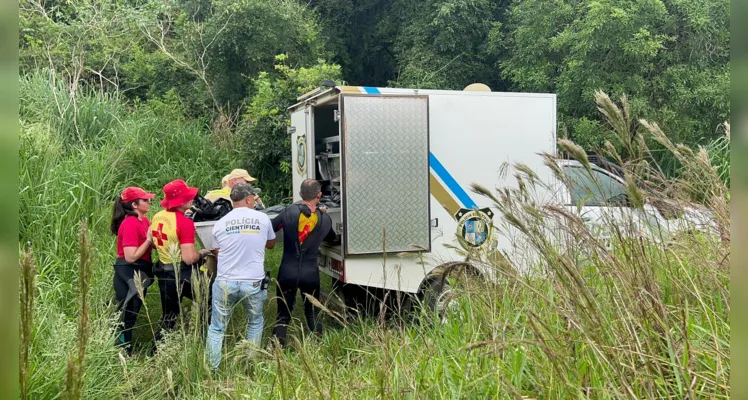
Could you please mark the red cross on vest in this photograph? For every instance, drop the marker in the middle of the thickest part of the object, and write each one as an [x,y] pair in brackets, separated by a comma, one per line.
[160,235]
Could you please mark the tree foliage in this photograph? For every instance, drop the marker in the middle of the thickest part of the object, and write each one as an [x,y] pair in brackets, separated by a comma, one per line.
[446,45]
[215,59]
[266,120]
[671,57]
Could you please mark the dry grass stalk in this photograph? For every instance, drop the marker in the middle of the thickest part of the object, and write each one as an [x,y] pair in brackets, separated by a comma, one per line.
[338,317]
[141,293]
[27,293]
[76,362]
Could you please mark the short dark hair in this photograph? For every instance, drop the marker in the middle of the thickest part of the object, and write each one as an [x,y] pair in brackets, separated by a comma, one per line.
[309,189]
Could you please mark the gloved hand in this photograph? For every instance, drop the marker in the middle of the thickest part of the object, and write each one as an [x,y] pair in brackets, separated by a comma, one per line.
[259,205]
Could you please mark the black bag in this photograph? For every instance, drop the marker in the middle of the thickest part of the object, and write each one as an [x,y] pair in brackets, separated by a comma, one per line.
[205,210]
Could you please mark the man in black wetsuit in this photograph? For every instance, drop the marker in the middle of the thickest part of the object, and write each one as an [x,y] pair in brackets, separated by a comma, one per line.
[305,226]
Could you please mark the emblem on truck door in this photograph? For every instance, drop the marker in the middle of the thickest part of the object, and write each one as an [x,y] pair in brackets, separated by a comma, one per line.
[301,154]
[474,227]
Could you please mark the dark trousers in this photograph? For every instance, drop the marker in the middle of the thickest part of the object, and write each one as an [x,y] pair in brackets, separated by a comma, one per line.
[172,294]
[128,299]
[286,292]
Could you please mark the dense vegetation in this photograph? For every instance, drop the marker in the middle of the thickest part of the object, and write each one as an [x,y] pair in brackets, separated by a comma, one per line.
[211,59]
[143,91]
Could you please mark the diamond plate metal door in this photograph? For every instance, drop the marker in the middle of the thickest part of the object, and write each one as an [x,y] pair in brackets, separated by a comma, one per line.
[385,173]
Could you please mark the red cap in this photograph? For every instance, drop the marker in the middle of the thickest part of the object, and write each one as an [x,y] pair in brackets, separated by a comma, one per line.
[177,193]
[133,193]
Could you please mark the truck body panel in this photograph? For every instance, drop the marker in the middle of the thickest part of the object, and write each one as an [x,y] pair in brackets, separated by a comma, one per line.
[470,137]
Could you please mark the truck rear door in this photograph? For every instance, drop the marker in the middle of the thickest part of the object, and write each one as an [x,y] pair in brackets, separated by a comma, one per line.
[385,174]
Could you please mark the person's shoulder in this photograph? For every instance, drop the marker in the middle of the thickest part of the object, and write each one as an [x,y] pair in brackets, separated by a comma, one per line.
[130,221]
[218,226]
[220,190]
[161,214]
[258,214]
[183,220]
[215,194]
[294,207]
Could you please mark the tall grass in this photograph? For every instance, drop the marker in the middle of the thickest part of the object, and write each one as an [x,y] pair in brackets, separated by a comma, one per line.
[76,361]
[27,294]
[633,318]
[719,152]
[78,151]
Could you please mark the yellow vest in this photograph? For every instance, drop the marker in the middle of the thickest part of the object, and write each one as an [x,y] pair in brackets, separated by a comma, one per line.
[164,230]
[223,193]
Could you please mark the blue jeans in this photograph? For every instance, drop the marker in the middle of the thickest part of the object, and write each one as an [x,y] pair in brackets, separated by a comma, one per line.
[226,295]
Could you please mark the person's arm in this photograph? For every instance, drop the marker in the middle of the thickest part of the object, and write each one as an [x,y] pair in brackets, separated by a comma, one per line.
[278,221]
[130,246]
[215,241]
[186,235]
[190,255]
[133,253]
[270,237]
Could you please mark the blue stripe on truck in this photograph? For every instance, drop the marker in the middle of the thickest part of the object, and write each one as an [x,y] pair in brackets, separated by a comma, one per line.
[371,90]
[451,183]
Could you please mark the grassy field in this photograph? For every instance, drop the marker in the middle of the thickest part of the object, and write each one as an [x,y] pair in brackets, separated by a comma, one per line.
[633,321]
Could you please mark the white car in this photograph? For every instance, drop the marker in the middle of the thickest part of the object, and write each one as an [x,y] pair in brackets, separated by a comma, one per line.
[601,198]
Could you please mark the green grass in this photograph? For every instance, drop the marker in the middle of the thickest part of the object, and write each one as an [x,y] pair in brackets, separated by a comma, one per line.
[638,321]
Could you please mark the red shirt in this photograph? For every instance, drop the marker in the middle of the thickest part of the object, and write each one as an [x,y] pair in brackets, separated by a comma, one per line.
[133,233]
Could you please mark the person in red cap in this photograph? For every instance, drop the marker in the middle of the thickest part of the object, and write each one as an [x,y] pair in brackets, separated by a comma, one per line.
[172,231]
[131,226]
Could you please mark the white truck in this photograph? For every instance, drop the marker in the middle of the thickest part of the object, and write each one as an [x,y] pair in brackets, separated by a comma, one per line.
[396,166]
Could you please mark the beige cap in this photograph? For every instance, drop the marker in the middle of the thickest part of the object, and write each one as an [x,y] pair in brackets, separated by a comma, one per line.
[238,173]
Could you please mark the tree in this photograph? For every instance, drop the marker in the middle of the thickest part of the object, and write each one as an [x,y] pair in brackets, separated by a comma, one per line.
[671,57]
[249,34]
[440,44]
[445,46]
[267,142]
[361,35]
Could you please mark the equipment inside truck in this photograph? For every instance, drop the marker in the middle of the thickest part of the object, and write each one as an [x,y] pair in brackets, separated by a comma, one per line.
[326,161]
[327,153]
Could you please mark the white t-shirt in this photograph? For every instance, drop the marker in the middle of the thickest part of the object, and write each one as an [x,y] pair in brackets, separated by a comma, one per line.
[240,237]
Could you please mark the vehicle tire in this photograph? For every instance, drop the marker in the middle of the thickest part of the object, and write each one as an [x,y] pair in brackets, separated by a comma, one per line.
[437,296]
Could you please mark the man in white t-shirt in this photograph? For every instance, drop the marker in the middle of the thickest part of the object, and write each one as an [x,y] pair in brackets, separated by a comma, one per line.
[240,238]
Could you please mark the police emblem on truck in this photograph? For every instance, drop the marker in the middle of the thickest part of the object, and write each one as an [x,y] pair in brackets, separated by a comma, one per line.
[301,154]
[474,227]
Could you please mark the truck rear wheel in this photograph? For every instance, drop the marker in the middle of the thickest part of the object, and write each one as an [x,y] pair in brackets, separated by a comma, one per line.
[437,296]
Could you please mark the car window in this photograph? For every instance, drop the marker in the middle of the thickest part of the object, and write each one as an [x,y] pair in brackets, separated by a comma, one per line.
[593,188]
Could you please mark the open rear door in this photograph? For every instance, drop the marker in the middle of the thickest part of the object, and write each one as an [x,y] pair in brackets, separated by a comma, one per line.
[385,172]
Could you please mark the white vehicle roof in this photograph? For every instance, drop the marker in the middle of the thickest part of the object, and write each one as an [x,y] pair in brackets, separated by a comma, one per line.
[374,91]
